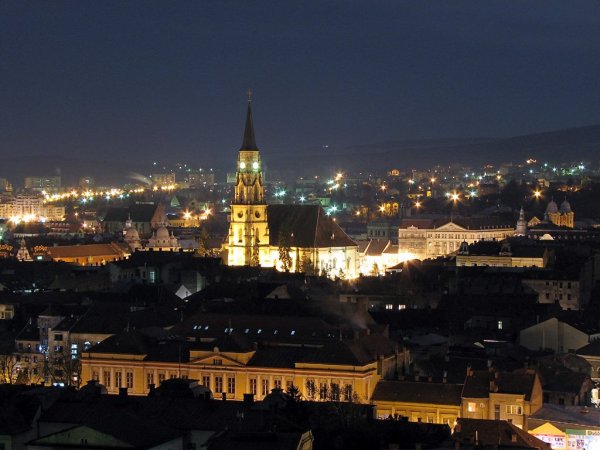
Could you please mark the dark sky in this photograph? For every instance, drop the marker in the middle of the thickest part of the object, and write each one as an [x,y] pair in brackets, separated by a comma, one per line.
[167,80]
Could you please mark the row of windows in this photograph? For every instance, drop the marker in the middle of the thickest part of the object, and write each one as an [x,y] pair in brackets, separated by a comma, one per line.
[509,409]
[118,379]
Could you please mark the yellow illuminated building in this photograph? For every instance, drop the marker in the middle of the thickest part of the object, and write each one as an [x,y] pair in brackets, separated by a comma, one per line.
[424,238]
[288,237]
[563,216]
[418,401]
[232,366]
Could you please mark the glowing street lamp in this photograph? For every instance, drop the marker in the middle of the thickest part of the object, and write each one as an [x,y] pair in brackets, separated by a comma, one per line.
[537,194]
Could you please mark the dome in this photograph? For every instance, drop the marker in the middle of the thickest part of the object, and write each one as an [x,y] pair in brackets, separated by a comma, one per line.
[162,233]
[565,207]
[552,207]
[132,234]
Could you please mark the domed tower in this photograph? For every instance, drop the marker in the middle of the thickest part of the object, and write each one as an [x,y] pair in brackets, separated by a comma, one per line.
[563,216]
[567,216]
[551,211]
[248,241]
[521,229]
[132,238]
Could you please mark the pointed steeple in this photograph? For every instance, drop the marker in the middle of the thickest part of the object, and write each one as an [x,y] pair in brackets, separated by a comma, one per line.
[249,141]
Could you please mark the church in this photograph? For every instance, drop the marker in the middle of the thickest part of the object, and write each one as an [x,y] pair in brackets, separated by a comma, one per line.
[296,238]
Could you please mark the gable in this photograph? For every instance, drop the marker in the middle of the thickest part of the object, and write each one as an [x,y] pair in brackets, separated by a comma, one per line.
[216,359]
[450,226]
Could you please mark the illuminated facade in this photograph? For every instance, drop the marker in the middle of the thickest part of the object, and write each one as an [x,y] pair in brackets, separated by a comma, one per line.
[424,238]
[562,217]
[232,364]
[49,185]
[288,237]
[31,208]
[248,243]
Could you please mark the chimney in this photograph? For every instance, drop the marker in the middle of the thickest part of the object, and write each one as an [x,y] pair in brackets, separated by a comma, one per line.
[123,392]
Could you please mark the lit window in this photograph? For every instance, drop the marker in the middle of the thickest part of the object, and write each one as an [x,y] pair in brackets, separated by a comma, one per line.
[500,324]
[472,407]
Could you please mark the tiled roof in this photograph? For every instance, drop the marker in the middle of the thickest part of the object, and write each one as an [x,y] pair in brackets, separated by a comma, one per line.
[591,349]
[282,357]
[494,433]
[137,212]
[76,251]
[469,223]
[358,352]
[477,385]
[306,226]
[581,416]
[376,247]
[418,392]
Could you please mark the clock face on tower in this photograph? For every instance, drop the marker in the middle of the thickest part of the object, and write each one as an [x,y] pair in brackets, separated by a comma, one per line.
[242,165]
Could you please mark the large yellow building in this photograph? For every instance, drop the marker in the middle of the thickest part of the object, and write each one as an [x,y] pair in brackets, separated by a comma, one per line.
[289,237]
[424,238]
[245,357]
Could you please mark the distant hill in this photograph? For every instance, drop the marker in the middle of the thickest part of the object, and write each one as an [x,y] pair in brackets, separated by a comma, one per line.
[572,144]
[582,143]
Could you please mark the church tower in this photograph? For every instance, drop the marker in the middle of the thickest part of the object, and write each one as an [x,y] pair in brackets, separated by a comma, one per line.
[248,241]
[521,229]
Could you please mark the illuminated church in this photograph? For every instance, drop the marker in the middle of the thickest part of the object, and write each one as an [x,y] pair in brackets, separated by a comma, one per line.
[298,238]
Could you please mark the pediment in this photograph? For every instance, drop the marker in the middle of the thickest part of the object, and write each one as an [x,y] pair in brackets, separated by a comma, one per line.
[450,226]
[209,360]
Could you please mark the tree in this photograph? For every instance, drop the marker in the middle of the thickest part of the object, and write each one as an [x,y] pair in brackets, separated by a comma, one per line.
[255,256]
[9,368]
[294,393]
[284,251]
[203,237]
[305,265]
[311,390]
[64,368]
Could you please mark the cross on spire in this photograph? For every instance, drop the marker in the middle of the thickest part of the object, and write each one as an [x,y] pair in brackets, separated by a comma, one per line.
[249,141]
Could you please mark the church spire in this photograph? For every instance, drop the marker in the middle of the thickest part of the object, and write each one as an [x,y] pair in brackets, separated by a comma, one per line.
[249,141]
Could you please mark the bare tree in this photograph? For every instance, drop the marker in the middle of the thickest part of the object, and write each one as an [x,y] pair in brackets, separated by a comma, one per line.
[9,368]
[64,368]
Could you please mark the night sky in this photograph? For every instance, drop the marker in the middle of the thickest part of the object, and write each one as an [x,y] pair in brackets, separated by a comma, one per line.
[144,80]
